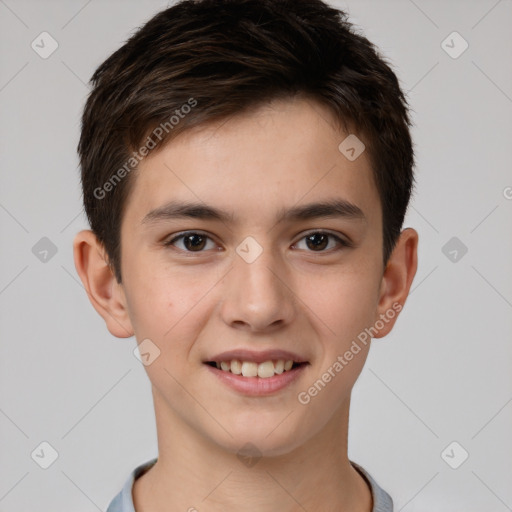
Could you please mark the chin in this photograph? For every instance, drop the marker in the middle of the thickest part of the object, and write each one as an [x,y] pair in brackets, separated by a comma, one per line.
[271,438]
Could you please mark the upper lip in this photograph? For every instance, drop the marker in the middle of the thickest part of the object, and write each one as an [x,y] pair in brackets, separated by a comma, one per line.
[257,357]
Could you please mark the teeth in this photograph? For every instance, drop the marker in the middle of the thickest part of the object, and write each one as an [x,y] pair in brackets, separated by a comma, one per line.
[266,370]
[279,367]
[236,367]
[250,369]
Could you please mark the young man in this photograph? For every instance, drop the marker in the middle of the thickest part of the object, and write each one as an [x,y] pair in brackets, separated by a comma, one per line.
[246,169]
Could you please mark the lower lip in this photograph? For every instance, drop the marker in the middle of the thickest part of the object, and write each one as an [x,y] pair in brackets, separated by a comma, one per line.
[256,386]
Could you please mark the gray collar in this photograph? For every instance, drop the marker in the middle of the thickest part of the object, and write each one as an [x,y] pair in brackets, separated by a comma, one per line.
[123,502]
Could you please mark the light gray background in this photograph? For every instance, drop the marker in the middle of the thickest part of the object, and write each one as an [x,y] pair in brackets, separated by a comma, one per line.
[445,372]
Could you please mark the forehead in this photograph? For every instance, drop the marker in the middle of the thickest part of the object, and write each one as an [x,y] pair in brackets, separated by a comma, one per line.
[254,165]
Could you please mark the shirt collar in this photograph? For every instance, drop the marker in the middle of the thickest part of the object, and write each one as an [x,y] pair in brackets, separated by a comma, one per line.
[123,502]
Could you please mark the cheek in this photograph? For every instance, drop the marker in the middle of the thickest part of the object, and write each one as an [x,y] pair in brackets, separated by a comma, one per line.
[342,304]
[168,308]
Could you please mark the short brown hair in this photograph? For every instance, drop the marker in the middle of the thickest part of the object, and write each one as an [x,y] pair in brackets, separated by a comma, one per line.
[205,60]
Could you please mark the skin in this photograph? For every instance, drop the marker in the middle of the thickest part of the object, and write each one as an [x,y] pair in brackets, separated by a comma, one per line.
[294,297]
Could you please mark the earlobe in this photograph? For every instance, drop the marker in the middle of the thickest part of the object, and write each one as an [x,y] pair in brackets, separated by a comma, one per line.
[104,292]
[397,280]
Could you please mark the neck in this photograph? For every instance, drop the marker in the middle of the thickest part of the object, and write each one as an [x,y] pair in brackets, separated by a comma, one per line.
[194,473]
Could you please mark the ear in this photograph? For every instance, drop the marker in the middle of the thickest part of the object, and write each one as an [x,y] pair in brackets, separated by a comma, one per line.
[396,280]
[105,293]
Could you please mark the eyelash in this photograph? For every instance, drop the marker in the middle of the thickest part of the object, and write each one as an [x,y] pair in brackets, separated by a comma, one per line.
[341,242]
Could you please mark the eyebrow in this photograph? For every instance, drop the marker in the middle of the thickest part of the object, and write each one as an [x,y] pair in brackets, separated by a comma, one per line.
[334,208]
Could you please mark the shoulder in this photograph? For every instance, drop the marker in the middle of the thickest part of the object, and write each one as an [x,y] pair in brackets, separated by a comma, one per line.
[123,501]
[382,501]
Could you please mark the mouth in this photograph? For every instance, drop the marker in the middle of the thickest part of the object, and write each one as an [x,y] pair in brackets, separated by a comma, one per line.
[252,369]
[257,373]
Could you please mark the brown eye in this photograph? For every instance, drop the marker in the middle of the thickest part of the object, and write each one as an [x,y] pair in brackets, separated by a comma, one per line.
[191,241]
[318,241]
[194,242]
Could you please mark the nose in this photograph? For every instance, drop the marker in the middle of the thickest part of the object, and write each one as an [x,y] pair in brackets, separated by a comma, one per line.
[258,296]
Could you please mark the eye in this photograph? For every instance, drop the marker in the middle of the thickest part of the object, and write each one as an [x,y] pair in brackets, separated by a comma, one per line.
[192,241]
[318,241]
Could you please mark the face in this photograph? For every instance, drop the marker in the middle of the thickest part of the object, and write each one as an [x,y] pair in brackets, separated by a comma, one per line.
[252,274]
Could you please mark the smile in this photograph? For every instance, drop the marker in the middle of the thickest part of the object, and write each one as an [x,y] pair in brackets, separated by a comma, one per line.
[264,370]
[257,379]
